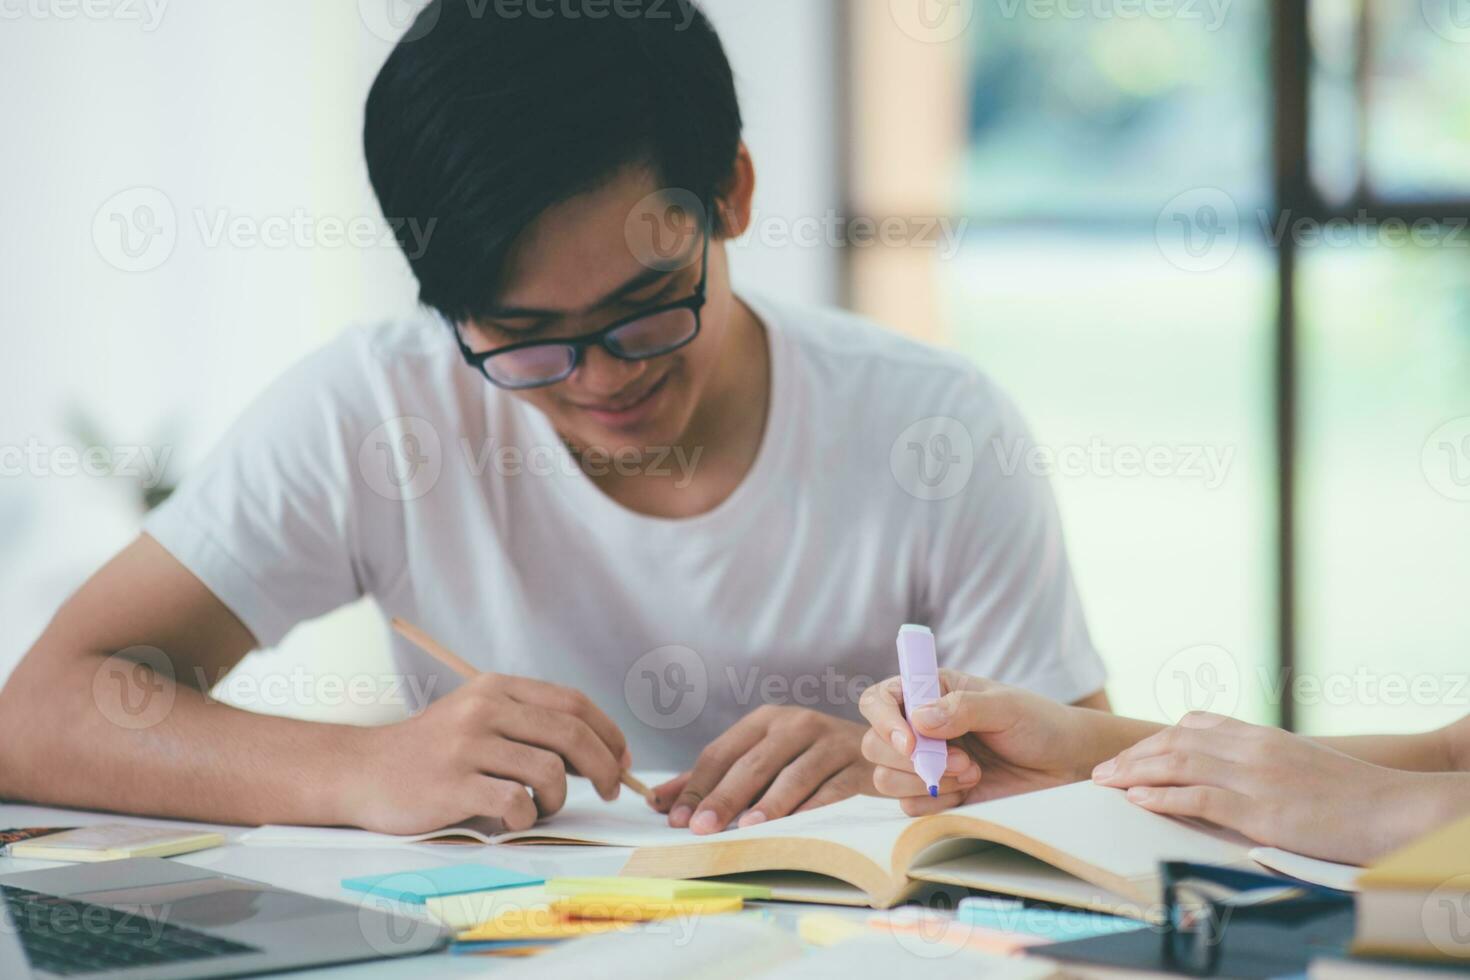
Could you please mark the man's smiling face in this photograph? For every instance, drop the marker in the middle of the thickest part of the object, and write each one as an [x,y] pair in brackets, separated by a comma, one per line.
[576,270]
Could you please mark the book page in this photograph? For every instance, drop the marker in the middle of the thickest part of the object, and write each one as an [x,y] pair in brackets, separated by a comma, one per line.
[287,835]
[864,823]
[1009,872]
[1343,877]
[586,818]
[1098,826]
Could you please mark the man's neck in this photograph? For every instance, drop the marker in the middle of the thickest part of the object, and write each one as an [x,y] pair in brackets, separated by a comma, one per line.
[731,417]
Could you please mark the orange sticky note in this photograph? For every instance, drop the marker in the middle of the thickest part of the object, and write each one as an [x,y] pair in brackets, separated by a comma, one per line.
[627,908]
[536,923]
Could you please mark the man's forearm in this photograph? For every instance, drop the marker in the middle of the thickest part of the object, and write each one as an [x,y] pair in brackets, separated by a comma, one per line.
[140,743]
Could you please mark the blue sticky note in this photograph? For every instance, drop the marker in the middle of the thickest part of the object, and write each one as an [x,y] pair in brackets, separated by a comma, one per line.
[1056,925]
[456,879]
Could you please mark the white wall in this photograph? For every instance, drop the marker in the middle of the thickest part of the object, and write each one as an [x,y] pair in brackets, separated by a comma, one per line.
[784,54]
[248,114]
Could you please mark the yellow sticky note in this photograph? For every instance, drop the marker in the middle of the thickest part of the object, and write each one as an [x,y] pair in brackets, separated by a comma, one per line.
[536,923]
[629,908]
[665,889]
[827,929]
[468,911]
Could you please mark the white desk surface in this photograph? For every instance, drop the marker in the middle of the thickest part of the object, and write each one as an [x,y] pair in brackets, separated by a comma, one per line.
[319,871]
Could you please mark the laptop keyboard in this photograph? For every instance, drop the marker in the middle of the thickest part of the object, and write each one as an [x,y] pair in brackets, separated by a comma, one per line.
[64,936]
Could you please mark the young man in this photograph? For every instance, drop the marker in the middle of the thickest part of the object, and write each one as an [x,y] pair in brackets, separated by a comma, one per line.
[673,526]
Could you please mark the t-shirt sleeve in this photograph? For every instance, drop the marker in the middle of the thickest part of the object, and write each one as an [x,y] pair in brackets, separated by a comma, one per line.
[268,521]
[1001,590]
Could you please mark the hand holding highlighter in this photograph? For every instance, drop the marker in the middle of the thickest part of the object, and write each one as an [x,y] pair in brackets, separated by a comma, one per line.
[918,669]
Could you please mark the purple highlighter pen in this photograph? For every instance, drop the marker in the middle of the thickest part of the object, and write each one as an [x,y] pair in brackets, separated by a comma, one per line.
[918,669]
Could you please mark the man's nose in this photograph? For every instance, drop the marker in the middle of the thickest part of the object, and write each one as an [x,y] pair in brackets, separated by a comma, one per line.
[601,374]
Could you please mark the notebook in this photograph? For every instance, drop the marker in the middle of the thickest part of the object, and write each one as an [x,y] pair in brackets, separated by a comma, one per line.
[113,842]
[283,835]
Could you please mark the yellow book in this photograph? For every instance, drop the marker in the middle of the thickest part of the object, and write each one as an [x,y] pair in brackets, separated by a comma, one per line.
[114,842]
[627,908]
[1416,901]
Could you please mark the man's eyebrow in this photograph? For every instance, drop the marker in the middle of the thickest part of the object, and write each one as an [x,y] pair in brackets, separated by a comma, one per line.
[642,280]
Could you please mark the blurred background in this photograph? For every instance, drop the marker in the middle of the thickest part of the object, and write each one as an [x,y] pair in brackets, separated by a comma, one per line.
[1217,250]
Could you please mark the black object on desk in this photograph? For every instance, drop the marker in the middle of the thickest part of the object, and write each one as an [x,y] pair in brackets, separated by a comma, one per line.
[1227,922]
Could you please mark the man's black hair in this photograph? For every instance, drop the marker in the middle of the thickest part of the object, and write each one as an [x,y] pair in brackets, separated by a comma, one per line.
[488,112]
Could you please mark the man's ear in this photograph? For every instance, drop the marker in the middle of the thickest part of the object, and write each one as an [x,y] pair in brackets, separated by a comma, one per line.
[735,202]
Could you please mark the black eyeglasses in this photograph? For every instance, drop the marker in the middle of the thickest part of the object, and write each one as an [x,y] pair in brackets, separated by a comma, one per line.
[639,337]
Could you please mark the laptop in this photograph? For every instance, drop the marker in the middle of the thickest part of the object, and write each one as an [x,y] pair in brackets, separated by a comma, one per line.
[153,918]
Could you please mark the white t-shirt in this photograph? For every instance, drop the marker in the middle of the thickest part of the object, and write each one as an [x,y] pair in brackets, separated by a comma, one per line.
[382,465]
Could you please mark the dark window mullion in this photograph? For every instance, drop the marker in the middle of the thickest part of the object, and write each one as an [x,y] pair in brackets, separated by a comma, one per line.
[1293,194]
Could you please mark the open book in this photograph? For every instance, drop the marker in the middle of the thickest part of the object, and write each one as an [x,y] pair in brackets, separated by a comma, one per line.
[1082,845]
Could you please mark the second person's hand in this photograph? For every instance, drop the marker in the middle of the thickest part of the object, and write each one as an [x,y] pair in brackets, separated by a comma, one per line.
[1003,741]
[1281,789]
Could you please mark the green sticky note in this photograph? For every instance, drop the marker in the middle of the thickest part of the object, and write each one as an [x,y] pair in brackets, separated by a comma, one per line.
[666,889]
[456,879]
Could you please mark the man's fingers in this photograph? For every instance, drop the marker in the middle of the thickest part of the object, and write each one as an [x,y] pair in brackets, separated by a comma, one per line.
[798,782]
[567,736]
[568,700]
[666,792]
[507,800]
[542,771]
[882,705]
[834,790]
[903,784]
[711,766]
[745,780]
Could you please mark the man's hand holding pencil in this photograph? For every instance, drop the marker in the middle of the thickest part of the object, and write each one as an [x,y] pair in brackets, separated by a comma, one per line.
[497,746]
